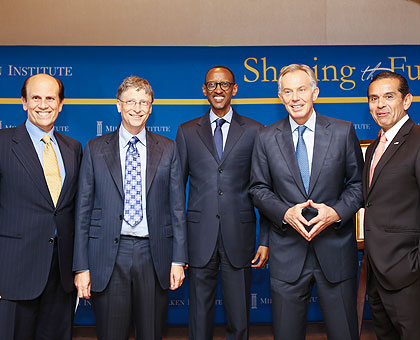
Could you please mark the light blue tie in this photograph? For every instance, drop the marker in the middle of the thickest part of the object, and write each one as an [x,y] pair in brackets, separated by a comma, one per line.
[218,136]
[133,210]
[302,157]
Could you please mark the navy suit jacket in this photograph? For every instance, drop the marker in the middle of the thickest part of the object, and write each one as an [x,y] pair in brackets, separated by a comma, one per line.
[392,215]
[100,208]
[218,190]
[28,216]
[336,180]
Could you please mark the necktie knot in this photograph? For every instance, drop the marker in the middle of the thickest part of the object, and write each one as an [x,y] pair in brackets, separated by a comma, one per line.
[46,139]
[301,129]
[133,140]
[220,122]
[383,139]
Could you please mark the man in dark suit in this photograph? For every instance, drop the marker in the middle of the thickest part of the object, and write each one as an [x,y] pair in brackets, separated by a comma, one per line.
[38,181]
[391,188]
[215,152]
[306,180]
[130,241]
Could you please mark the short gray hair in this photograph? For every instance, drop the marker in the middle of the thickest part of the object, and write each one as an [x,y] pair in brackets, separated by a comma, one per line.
[136,83]
[299,67]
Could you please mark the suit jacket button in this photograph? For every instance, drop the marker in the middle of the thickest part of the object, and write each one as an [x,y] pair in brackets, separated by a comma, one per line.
[368,204]
[121,217]
[51,240]
[217,216]
[115,240]
[55,213]
[220,170]
[220,192]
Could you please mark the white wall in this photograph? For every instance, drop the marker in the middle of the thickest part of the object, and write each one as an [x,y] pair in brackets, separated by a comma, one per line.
[204,22]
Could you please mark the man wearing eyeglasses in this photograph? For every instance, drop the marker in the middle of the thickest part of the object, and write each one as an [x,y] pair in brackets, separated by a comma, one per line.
[130,240]
[215,152]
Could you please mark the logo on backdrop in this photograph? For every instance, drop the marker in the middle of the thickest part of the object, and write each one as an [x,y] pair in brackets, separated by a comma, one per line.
[101,128]
[61,128]
[254,301]
[158,129]
[363,126]
[27,71]
[6,126]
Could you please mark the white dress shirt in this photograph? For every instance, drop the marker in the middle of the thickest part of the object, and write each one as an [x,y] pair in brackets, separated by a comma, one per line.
[225,127]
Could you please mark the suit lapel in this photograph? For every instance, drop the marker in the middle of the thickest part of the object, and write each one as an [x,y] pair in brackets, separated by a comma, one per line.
[69,165]
[112,159]
[392,148]
[322,141]
[285,143]
[26,153]
[235,132]
[154,154]
[204,131]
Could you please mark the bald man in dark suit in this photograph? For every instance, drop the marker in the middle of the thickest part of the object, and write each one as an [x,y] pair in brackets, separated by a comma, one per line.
[37,219]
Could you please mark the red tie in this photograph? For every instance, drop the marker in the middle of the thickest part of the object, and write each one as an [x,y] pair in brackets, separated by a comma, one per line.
[378,154]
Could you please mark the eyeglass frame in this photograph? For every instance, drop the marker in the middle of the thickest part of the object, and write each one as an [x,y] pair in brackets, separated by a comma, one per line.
[219,84]
[147,103]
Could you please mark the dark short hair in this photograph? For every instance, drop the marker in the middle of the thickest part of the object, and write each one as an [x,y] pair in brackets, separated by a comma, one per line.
[24,93]
[136,83]
[403,88]
[220,66]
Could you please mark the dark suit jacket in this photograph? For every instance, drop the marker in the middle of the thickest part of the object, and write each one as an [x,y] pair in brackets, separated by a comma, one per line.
[392,216]
[336,180]
[218,190]
[28,216]
[100,208]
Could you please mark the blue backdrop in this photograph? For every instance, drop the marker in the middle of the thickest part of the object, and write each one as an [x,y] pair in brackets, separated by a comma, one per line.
[91,76]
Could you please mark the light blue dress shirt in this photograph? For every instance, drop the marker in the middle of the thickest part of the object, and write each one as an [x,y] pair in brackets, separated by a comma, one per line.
[141,229]
[36,135]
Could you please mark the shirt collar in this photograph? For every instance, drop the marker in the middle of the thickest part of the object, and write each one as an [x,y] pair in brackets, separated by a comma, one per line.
[310,123]
[392,132]
[227,117]
[125,136]
[37,134]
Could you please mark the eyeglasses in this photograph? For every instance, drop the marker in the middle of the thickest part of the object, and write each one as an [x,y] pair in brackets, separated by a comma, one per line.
[132,103]
[224,85]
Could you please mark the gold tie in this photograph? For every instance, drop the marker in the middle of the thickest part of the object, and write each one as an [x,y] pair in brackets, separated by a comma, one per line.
[51,170]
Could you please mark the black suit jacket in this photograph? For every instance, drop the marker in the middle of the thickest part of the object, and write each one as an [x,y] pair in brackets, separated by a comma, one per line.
[28,216]
[218,190]
[100,208]
[392,215]
[336,180]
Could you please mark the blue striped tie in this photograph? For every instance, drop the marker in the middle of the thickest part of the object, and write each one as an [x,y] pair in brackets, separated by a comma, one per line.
[302,157]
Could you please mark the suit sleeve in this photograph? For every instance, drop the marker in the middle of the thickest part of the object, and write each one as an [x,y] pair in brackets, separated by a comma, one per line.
[177,202]
[183,155]
[351,198]
[261,187]
[84,206]
[264,229]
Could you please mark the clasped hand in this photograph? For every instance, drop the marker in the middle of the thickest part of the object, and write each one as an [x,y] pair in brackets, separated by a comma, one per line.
[326,216]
